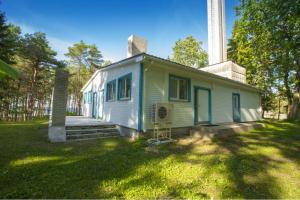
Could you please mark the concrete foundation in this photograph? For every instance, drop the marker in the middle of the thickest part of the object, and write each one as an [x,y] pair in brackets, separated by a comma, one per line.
[223,130]
[128,132]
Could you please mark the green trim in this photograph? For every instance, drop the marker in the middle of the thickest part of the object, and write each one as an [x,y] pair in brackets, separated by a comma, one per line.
[239,107]
[114,82]
[196,88]
[119,90]
[141,87]
[188,92]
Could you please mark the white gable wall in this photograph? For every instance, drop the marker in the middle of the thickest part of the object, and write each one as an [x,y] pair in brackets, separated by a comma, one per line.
[124,113]
[156,91]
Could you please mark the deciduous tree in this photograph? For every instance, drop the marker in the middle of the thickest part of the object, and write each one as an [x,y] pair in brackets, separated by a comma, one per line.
[266,40]
[189,52]
[84,59]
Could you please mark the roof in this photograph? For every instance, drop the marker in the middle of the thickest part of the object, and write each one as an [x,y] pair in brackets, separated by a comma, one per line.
[144,56]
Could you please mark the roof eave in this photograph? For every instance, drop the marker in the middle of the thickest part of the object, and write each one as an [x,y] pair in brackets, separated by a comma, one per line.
[134,59]
[191,69]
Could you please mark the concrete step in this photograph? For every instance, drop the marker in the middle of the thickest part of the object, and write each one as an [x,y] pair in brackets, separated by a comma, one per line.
[91,136]
[85,139]
[87,131]
[77,127]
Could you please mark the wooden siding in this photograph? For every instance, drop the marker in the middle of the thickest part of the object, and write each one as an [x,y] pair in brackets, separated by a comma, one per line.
[156,91]
[124,113]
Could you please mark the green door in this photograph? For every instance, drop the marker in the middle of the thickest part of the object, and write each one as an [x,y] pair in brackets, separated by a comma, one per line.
[236,110]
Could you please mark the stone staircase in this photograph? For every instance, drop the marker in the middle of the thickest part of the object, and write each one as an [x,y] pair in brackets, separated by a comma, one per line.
[88,132]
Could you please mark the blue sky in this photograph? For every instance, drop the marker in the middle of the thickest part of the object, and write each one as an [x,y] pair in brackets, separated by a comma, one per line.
[108,23]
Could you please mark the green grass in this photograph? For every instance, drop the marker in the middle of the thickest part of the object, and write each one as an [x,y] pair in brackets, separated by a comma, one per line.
[260,164]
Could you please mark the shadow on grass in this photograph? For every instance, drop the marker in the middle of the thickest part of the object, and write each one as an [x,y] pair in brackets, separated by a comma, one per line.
[247,166]
[31,167]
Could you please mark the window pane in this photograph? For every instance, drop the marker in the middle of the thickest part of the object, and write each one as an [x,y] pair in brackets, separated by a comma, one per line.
[128,88]
[108,92]
[173,88]
[183,89]
[122,87]
[111,91]
[114,90]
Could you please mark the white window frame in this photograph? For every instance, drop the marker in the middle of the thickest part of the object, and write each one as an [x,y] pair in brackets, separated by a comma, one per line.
[178,88]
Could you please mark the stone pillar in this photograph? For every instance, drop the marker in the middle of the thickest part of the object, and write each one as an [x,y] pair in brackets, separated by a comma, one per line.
[57,130]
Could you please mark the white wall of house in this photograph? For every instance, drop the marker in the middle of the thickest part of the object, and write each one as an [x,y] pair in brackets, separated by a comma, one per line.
[124,113]
[156,90]
[156,83]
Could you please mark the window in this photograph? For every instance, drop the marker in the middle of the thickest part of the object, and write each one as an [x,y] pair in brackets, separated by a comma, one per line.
[111,91]
[124,87]
[179,88]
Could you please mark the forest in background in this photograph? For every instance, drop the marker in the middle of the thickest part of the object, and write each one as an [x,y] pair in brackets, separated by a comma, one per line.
[29,95]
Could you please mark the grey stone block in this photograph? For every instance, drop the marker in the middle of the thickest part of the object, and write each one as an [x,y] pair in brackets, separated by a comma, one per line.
[57,133]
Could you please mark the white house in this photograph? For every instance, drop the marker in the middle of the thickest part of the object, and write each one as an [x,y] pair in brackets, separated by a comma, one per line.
[124,92]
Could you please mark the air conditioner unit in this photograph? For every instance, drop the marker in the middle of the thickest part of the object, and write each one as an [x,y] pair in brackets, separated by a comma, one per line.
[161,113]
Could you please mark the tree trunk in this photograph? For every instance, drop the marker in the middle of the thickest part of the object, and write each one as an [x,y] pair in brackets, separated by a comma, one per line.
[294,109]
[32,88]
[79,107]
[278,117]
[17,101]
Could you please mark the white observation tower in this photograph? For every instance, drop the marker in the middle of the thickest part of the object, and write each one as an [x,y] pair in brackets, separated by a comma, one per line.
[216,31]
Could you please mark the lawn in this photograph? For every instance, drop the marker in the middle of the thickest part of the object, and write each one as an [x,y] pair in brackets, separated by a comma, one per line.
[259,164]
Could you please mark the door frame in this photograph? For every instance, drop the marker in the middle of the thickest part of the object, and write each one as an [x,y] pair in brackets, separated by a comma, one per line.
[99,101]
[94,111]
[239,107]
[196,88]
